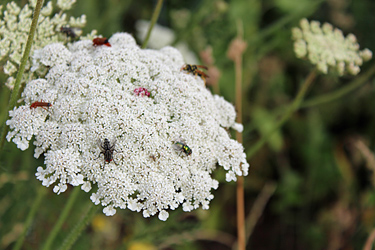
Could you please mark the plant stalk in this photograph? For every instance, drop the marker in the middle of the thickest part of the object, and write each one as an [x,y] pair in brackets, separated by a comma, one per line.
[329,97]
[21,70]
[154,19]
[80,226]
[240,198]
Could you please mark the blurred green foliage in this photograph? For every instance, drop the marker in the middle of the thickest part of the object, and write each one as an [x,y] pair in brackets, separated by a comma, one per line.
[325,197]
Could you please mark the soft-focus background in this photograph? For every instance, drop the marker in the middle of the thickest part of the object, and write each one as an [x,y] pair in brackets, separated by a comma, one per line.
[310,187]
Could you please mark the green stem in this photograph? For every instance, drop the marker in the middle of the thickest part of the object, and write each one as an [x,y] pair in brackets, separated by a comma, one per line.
[154,18]
[21,70]
[292,107]
[30,217]
[55,230]
[77,230]
[340,92]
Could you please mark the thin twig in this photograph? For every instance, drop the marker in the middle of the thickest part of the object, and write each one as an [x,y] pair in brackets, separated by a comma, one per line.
[240,180]
[241,240]
[154,19]
[258,208]
[368,155]
[370,241]
[25,57]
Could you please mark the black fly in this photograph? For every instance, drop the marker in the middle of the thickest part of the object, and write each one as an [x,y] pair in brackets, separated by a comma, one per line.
[69,32]
[107,150]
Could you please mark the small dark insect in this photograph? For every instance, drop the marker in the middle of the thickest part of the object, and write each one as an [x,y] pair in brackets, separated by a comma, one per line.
[180,145]
[194,69]
[101,41]
[40,104]
[69,32]
[155,157]
[107,150]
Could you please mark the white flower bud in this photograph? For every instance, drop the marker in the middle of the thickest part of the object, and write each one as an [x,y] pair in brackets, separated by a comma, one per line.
[65,4]
[163,215]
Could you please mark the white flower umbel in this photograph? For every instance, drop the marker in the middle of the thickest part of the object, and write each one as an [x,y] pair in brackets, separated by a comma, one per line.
[93,97]
[14,28]
[328,49]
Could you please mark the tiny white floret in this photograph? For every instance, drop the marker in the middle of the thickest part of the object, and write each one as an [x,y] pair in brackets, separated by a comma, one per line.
[163,215]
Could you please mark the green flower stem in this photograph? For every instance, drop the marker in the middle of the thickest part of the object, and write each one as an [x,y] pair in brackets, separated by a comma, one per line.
[25,57]
[292,107]
[77,230]
[358,81]
[154,18]
[55,230]
[30,217]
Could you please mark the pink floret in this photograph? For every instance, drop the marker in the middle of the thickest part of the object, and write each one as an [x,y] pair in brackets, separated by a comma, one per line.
[141,91]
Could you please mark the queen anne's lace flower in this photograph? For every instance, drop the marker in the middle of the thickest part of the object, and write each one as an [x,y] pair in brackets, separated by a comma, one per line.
[91,90]
[14,28]
[328,49]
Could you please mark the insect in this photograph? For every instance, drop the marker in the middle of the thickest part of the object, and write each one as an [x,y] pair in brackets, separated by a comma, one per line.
[69,32]
[107,150]
[101,41]
[195,70]
[40,104]
[155,157]
[180,145]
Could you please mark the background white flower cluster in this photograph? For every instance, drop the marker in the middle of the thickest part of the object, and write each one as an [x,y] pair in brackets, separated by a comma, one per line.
[14,29]
[91,90]
[328,49]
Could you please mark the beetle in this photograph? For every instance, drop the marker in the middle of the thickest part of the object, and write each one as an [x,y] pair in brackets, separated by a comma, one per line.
[40,104]
[106,148]
[101,41]
[180,146]
[191,68]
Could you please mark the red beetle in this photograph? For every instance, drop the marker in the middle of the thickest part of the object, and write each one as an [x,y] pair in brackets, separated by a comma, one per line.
[101,41]
[40,104]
